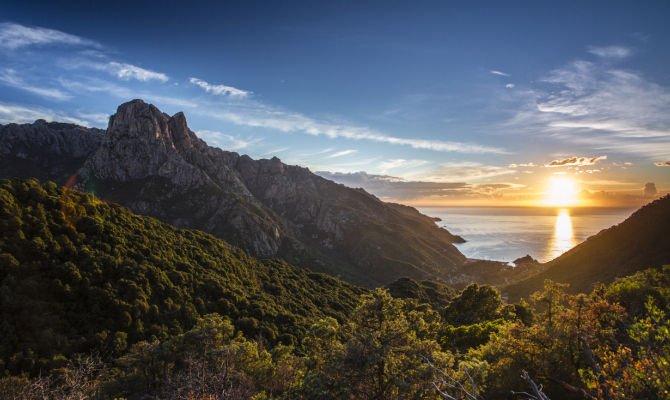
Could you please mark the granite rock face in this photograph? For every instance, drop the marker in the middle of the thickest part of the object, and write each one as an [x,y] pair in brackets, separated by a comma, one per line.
[47,151]
[154,164]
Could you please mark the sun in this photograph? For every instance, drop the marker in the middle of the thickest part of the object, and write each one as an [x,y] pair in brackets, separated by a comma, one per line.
[562,193]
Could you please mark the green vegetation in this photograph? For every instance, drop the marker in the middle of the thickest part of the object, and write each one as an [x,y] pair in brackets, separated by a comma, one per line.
[97,302]
[79,276]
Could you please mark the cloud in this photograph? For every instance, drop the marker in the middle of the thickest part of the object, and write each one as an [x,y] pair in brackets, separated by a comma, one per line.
[522,165]
[650,189]
[662,164]
[341,153]
[575,161]
[324,151]
[396,188]
[259,115]
[275,151]
[229,103]
[466,170]
[14,36]
[95,85]
[9,77]
[496,72]
[510,86]
[98,118]
[390,187]
[219,90]
[19,114]
[610,51]
[123,71]
[593,105]
[128,71]
[225,141]
[254,114]
[385,166]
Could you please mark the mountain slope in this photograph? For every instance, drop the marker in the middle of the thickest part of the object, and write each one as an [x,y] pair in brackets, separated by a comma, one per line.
[153,164]
[641,241]
[78,275]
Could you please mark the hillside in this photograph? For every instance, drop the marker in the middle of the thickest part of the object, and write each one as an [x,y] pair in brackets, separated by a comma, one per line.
[640,242]
[78,275]
[155,165]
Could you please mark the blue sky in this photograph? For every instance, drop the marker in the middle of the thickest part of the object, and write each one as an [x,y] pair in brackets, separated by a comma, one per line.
[420,102]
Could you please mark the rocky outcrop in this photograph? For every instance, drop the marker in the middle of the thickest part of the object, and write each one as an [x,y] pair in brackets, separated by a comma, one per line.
[45,150]
[154,164]
[525,260]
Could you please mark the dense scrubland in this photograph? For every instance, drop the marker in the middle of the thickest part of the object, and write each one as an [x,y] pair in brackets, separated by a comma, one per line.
[97,302]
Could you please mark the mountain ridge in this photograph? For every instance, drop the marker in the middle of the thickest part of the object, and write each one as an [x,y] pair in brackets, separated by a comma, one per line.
[639,242]
[154,164]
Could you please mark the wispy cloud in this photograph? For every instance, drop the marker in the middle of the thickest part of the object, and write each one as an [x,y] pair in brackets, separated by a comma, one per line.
[393,164]
[98,118]
[324,151]
[228,103]
[395,188]
[467,170]
[225,141]
[510,86]
[575,161]
[9,77]
[123,71]
[342,153]
[275,151]
[14,36]
[611,51]
[496,72]
[95,85]
[20,114]
[521,165]
[128,71]
[219,90]
[662,164]
[258,115]
[594,105]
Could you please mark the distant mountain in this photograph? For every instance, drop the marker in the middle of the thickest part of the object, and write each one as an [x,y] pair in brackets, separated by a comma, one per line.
[80,276]
[46,151]
[153,164]
[641,241]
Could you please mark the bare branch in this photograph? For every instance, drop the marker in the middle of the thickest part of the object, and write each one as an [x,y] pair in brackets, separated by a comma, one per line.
[588,354]
[452,383]
[537,390]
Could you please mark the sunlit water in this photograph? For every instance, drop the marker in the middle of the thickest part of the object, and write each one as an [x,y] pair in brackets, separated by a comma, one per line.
[507,233]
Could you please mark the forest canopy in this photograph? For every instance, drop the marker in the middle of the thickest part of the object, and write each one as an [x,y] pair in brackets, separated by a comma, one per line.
[98,302]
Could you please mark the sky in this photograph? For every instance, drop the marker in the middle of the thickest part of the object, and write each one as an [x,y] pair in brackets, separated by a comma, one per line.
[424,103]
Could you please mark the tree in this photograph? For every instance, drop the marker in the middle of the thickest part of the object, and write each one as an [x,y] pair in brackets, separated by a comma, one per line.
[475,304]
[641,371]
[380,354]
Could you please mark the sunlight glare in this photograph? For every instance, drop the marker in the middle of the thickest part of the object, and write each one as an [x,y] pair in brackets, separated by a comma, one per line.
[562,193]
[563,239]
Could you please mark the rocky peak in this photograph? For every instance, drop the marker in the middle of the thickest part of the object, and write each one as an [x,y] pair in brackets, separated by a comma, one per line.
[152,163]
[141,142]
[139,120]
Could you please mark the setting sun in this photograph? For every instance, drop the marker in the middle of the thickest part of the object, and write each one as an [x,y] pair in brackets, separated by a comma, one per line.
[562,193]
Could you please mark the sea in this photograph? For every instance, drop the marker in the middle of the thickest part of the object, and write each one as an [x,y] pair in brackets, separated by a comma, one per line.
[507,233]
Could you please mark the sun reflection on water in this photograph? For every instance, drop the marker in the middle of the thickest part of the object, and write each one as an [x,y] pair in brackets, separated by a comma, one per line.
[564,238]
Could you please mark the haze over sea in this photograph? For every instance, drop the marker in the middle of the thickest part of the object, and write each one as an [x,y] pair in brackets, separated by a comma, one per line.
[507,233]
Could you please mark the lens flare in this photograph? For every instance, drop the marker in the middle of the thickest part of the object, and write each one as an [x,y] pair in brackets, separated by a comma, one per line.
[562,193]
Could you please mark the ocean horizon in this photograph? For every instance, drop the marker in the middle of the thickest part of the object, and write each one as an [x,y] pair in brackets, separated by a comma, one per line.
[507,233]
